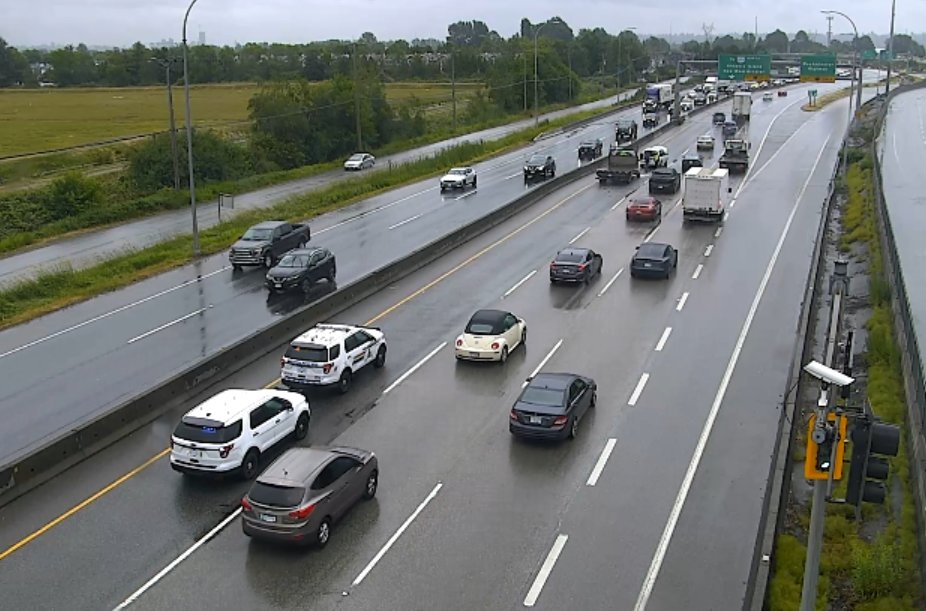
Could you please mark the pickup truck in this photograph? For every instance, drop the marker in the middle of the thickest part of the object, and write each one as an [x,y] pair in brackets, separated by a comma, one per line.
[625,130]
[623,165]
[266,243]
[591,149]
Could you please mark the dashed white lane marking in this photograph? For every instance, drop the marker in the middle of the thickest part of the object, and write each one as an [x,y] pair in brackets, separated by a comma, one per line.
[726,215]
[579,237]
[373,211]
[395,536]
[414,368]
[467,194]
[406,221]
[537,587]
[610,282]
[602,462]
[641,384]
[708,250]
[732,202]
[718,232]
[544,361]
[618,203]
[513,176]
[681,302]
[167,325]
[519,283]
[662,340]
[697,271]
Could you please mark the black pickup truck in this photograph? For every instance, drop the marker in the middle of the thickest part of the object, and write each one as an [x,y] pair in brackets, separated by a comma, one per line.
[591,149]
[625,130]
[265,243]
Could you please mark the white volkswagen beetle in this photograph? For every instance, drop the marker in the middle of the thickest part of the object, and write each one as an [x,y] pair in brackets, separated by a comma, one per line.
[490,335]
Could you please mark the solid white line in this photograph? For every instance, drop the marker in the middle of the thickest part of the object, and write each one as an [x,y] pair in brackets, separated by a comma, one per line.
[681,302]
[413,369]
[650,235]
[400,223]
[678,203]
[166,325]
[660,553]
[372,211]
[697,271]
[708,250]
[520,282]
[618,203]
[167,569]
[578,237]
[534,593]
[465,195]
[718,232]
[641,384]
[544,361]
[116,311]
[749,174]
[662,340]
[395,536]
[610,282]
[602,461]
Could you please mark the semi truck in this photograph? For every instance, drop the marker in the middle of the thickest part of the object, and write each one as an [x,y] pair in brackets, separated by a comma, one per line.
[623,165]
[742,107]
[736,150]
[659,95]
[704,196]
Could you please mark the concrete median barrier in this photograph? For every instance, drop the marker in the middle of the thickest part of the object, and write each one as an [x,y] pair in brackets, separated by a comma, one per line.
[43,461]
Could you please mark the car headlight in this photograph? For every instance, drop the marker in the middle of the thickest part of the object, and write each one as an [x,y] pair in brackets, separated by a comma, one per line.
[255,251]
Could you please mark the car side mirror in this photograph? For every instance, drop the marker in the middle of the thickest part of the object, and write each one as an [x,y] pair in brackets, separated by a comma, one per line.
[729,189]
[529,378]
[636,248]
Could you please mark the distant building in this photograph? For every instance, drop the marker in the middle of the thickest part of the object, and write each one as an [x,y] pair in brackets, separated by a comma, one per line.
[202,37]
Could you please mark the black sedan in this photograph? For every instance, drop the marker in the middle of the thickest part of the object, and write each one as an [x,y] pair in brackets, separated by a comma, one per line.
[539,165]
[653,259]
[551,406]
[575,265]
[301,268]
[665,180]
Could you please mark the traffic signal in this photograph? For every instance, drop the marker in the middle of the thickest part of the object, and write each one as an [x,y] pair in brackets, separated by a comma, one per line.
[820,442]
[867,472]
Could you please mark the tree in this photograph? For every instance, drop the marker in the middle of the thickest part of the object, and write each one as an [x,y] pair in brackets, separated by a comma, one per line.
[864,43]
[468,33]
[554,28]
[70,66]
[151,165]
[904,45]
[657,48]
[776,42]
[14,68]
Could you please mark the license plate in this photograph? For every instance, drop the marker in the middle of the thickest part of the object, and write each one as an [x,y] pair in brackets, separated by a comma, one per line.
[194,453]
[536,420]
[474,354]
[268,518]
[647,265]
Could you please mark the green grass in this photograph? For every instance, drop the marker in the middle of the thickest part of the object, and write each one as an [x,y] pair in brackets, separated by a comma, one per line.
[51,291]
[33,120]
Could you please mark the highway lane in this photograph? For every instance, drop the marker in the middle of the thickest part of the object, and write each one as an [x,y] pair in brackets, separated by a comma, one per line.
[902,148]
[110,348]
[167,514]
[86,249]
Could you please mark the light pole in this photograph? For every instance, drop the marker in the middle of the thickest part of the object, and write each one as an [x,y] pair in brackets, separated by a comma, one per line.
[858,68]
[166,64]
[189,133]
[620,56]
[536,99]
[890,50]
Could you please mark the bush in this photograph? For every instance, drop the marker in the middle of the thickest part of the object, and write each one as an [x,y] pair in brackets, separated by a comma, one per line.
[151,164]
[71,195]
[877,569]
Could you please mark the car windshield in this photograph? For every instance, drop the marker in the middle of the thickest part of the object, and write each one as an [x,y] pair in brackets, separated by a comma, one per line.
[457,172]
[641,202]
[311,354]
[356,158]
[537,160]
[547,397]
[294,261]
[650,251]
[201,430]
[257,235]
[570,256]
[587,143]
[276,496]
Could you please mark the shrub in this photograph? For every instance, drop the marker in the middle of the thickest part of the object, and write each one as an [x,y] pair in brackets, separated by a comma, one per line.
[72,194]
[151,164]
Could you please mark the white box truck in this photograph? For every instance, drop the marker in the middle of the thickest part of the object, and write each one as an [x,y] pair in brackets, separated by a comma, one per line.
[705,194]
[742,105]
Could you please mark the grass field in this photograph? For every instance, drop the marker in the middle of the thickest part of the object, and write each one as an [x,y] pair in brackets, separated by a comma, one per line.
[35,120]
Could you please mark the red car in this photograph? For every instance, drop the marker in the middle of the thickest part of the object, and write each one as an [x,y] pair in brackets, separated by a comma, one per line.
[644,209]
[782,93]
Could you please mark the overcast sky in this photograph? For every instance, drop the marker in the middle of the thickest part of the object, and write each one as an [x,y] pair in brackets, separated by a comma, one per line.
[122,22]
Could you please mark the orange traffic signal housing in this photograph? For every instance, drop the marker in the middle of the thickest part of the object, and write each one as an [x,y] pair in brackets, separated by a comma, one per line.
[811,471]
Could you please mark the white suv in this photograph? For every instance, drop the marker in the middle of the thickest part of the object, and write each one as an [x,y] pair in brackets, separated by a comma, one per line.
[330,354]
[458,178]
[231,430]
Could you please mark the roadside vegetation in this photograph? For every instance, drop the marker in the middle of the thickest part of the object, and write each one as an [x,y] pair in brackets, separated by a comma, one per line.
[872,564]
[54,290]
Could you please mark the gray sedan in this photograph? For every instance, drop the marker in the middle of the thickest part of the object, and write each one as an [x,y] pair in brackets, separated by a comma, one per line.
[551,406]
[305,491]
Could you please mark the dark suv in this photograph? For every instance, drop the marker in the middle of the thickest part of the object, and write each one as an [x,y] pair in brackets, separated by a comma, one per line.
[539,165]
[301,268]
[591,149]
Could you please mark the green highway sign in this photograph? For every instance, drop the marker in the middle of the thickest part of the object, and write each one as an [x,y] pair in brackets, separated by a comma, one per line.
[744,67]
[818,68]
[869,54]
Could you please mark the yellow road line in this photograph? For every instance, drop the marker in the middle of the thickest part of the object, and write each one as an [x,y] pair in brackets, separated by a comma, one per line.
[95,497]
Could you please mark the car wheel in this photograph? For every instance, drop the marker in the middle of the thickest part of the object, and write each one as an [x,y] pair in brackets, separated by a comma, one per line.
[323,534]
[574,428]
[594,400]
[332,273]
[236,268]
[344,381]
[268,260]
[380,358]
[250,464]
[306,285]
[474,183]
[524,337]
[302,427]
[302,243]
[369,491]
[504,356]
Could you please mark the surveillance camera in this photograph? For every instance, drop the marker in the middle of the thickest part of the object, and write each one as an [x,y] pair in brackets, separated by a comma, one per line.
[827,375]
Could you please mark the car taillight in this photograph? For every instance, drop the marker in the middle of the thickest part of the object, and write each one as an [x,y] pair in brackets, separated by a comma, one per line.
[224,450]
[459,342]
[327,367]
[282,361]
[513,415]
[245,504]
[561,420]
[495,345]
[582,267]
[552,263]
[302,514]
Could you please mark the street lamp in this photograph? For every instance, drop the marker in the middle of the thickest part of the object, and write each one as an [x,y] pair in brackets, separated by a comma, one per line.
[536,35]
[189,134]
[620,70]
[857,69]
[166,64]
[890,50]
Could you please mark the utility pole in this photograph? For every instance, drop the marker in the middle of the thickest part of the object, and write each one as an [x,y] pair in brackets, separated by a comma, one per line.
[829,31]
[357,100]
[524,58]
[453,88]
[166,64]
[189,134]
[890,50]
